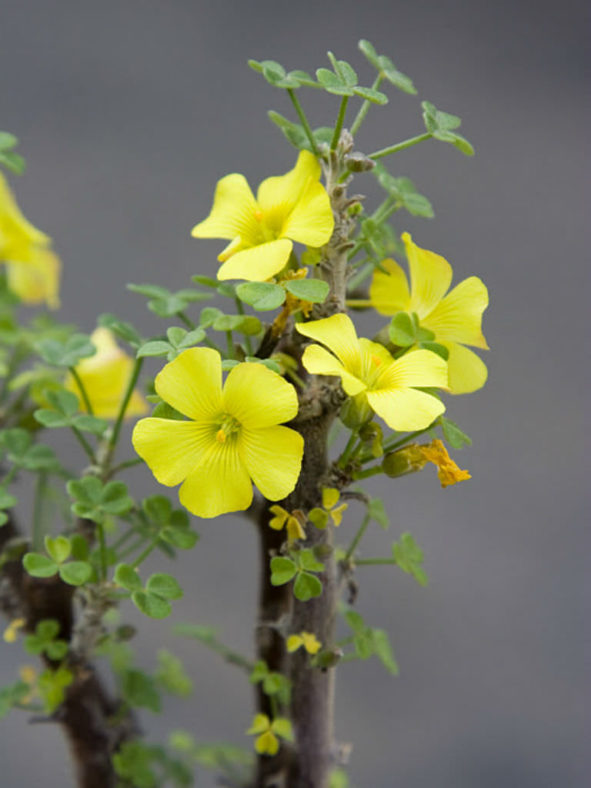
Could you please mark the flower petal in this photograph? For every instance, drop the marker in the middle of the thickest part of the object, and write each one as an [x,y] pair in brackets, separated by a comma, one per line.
[405,410]
[311,222]
[37,280]
[192,383]
[219,484]
[458,317]
[389,292]
[430,277]
[467,372]
[273,457]
[171,448]
[339,335]
[18,237]
[258,263]
[277,196]
[319,361]
[232,213]
[416,368]
[258,397]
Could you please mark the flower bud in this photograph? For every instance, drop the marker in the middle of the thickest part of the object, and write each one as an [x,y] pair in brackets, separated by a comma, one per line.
[409,459]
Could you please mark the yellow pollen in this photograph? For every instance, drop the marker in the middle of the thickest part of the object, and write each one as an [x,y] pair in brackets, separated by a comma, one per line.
[258,215]
[376,360]
[220,436]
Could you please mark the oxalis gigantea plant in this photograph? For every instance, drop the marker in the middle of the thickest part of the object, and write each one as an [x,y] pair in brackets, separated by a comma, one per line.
[272,405]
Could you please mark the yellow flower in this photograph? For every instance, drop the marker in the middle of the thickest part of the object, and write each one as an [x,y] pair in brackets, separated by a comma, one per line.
[12,630]
[105,377]
[290,520]
[455,318]
[37,280]
[290,207]
[233,435]
[369,372]
[18,237]
[447,471]
[306,639]
[267,732]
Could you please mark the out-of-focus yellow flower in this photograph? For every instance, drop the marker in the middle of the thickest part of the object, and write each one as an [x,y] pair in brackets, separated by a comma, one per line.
[448,471]
[330,498]
[105,377]
[289,520]
[287,208]
[306,639]
[233,437]
[455,318]
[18,237]
[37,280]
[369,372]
[11,632]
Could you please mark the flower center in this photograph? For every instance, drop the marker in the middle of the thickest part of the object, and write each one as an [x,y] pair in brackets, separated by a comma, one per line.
[228,426]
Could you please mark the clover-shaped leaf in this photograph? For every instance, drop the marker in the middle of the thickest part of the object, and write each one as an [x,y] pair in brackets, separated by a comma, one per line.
[442,125]
[121,329]
[456,437]
[386,68]
[409,557]
[94,500]
[263,296]
[276,75]
[165,303]
[313,290]
[66,353]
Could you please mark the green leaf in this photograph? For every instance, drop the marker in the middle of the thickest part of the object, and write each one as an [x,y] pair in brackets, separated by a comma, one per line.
[276,75]
[313,290]
[114,498]
[165,586]
[441,125]
[263,296]
[139,690]
[38,565]
[456,437]
[377,511]
[7,501]
[207,281]
[385,66]
[121,329]
[13,161]
[183,538]
[12,695]
[375,96]
[293,132]
[208,316]
[306,587]
[402,330]
[158,508]
[127,577]
[435,347]
[7,141]
[57,650]
[282,727]
[68,353]
[87,423]
[152,348]
[171,674]
[59,548]
[383,650]
[409,557]
[151,605]
[307,560]
[76,573]
[282,570]
[333,83]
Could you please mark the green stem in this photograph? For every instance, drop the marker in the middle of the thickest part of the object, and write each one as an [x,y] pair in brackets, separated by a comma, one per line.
[344,458]
[126,464]
[85,444]
[146,552]
[12,366]
[230,344]
[367,472]
[303,120]
[339,125]
[82,390]
[357,538]
[187,321]
[102,550]
[379,154]
[137,368]
[37,531]
[374,561]
[363,110]
[122,539]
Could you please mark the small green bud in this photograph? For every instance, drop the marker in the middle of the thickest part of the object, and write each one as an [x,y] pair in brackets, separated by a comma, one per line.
[356,412]
[410,459]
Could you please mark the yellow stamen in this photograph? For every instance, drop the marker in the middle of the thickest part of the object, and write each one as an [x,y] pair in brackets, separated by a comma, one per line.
[220,436]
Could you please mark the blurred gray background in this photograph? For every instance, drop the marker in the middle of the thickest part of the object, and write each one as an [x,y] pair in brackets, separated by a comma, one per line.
[128,112]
